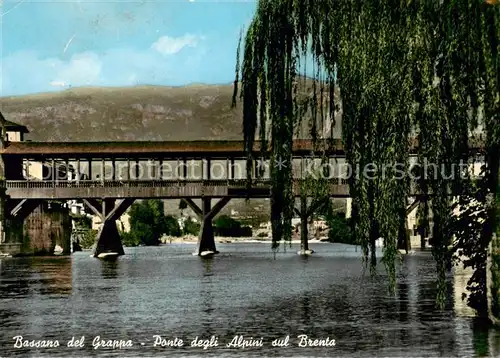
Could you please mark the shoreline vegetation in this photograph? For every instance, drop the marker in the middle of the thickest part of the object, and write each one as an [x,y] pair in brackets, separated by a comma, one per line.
[191,239]
[149,226]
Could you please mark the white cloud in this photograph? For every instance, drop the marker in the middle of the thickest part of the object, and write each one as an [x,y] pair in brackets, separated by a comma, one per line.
[58,83]
[82,70]
[167,45]
[115,67]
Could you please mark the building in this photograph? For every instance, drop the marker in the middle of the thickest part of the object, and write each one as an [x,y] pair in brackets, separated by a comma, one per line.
[47,229]
[15,132]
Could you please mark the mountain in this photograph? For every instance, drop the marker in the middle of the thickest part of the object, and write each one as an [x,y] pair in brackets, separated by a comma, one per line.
[153,113]
[134,113]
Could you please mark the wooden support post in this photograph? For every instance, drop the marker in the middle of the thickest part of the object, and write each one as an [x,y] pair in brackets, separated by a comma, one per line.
[304,239]
[66,169]
[196,209]
[137,172]
[23,208]
[90,169]
[209,167]
[185,169]
[78,169]
[113,168]
[94,206]
[28,169]
[232,168]
[108,240]
[3,203]
[54,172]
[102,169]
[206,241]
[108,237]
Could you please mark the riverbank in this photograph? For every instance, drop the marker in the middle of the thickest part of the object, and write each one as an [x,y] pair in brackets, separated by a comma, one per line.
[191,239]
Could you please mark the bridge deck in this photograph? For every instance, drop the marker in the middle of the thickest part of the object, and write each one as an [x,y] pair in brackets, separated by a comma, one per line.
[142,189]
[21,189]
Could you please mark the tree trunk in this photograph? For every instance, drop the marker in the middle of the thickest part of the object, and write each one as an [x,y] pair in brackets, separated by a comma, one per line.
[493,258]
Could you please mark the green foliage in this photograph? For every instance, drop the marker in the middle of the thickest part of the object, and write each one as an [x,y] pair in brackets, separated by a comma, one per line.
[443,55]
[88,239]
[183,205]
[224,225]
[340,230]
[497,205]
[147,222]
[191,227]
[83,229]
[470,246]
[226,222]
[130,239]
[82,221]
[172,227]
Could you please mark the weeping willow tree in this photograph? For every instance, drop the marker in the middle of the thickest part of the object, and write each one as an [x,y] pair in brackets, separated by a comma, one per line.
[413,76]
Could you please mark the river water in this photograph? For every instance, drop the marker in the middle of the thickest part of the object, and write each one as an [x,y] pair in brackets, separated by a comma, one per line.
[244,291]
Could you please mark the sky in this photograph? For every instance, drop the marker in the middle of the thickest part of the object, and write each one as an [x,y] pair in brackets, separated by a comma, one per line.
[53,45]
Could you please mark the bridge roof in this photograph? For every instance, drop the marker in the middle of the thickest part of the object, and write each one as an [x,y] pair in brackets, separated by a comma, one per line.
[147,147]
[11,126]
[169,148]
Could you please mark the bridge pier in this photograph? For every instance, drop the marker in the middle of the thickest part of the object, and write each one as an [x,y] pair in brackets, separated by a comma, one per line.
[33,227]
[206,240]
[3,246]
[108,239]
[14,241]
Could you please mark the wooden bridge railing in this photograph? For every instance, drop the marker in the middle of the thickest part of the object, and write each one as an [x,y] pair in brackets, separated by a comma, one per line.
[40,184]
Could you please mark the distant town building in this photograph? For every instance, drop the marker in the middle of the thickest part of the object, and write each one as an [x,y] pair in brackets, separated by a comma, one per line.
[15,131]
[123,223]
[36,170]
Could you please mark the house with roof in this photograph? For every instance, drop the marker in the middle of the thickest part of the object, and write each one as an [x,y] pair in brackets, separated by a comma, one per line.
[34,170]
[15,131]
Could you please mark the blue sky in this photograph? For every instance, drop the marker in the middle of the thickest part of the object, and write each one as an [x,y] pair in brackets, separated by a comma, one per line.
[52,45]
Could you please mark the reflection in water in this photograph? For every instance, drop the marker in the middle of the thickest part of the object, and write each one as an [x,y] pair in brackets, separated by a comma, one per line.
[207,263]
[29,276]
[481,335]
[305,302]
[243,291]
[402,290]
[460,278]
[32,288]
[109,268]
[206,288]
